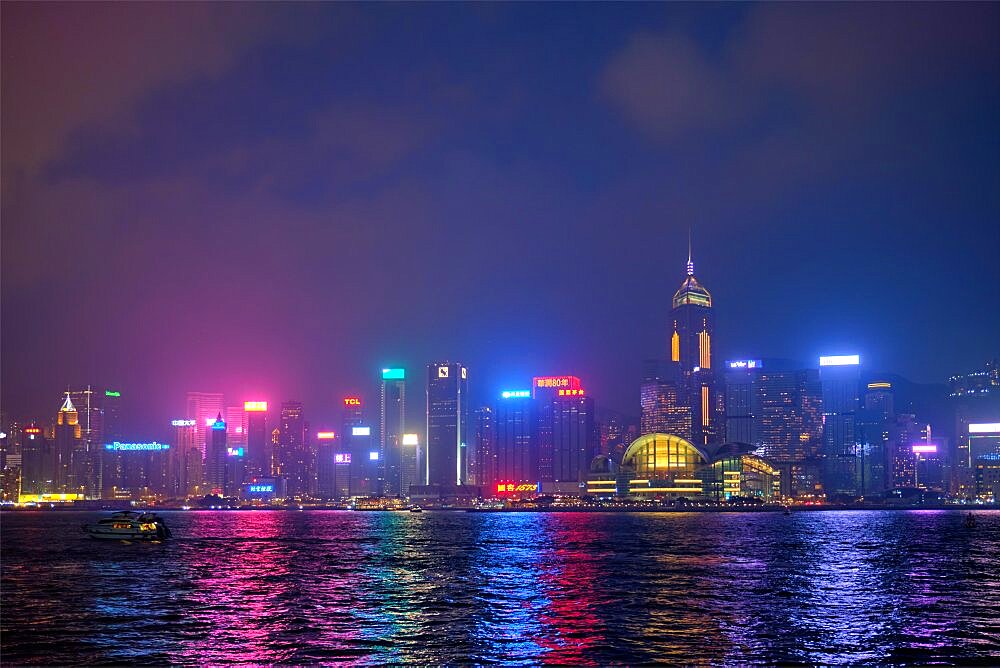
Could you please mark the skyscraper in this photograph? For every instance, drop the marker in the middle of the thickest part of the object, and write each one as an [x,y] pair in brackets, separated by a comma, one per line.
[875,420]
[216,459]
[516,438]
[545,390]
[773,405]
[259,454]
[574,438]
[692,326]
[661,401]
[485,452]
[293,453]
[87,461]
[447,424]
[392,424]
[236,426]
[67,447]
[203,407]
[840,379]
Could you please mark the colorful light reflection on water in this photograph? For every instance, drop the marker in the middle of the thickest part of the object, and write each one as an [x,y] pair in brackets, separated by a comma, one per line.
[437,587]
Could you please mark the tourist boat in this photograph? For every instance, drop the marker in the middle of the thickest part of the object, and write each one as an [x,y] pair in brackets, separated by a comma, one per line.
[129,525]
[416,509]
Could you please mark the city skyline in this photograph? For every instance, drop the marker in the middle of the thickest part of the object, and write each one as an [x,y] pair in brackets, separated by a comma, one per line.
[212,223]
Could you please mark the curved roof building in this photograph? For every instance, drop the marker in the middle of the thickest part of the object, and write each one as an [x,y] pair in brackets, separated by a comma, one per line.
[668,466]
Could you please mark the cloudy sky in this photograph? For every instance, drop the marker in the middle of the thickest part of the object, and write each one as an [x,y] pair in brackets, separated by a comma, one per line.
[276,200]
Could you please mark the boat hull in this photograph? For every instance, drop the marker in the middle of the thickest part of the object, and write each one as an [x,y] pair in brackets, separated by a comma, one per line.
[122,535]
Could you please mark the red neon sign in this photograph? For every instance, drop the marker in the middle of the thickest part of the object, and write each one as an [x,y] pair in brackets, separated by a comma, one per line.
[515,487]
[352,401]
[557,382]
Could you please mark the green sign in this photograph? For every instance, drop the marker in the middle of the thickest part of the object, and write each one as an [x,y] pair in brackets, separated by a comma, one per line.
[112,393]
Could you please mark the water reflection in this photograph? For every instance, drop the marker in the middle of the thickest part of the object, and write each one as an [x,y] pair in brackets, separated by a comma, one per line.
[374,588]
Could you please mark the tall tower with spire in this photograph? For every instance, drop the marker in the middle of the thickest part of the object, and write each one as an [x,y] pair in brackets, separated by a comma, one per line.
[692,328]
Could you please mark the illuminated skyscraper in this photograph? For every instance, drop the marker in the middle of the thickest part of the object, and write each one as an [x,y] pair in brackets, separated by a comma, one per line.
[87,461]
[485,453]
[37,461]
[447,425]
[203,407]
[661,401]
[293,452]
[545,390]
[259,452]
[692,327]
[185,469]
[840,379]
[574,438]
[875,421]
[516,440]
[68,447]
[773,405]
[236,426]
[392,424]
[215,461]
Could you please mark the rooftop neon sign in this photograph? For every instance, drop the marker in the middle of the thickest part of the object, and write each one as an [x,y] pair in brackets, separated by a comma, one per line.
[352,401]
[840,360]
[112,393]
[132,447]
[411,439]
[985,428]
[515,394]
[571,393]
[361,431]
[218,425]
[924,449]
[393,374]
[254,406]
[569,382]
[325,435]
[260,489]
[234,452]
[342,458]
[746,364]
[183,423]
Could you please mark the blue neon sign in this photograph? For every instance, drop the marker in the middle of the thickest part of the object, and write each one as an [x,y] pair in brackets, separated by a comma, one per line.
[261,489]
[132,447]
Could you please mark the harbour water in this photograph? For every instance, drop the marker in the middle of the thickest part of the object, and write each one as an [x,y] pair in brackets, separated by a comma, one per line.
[850,587]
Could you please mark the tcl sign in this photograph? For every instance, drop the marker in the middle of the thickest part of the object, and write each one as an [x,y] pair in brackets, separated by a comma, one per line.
[352,401]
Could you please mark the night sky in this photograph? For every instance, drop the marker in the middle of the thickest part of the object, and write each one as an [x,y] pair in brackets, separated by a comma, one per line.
[275,201]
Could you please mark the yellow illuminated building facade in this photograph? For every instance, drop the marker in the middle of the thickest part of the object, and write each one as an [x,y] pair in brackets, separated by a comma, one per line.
[666,466]
[692,326]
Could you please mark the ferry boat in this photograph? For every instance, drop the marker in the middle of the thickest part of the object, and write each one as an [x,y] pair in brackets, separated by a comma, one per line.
[129,525]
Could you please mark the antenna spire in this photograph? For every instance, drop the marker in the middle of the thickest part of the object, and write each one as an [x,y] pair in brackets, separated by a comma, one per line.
[690,264]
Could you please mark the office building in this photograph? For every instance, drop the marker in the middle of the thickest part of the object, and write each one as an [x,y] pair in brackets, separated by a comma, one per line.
[259,453]
[692,328]
[485,453]
[203,407]
[293,452]
[447,431]
[216,458]
[392,424]
[840,379]
[574,438]
[773,405]
[545,390]
[516,438]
